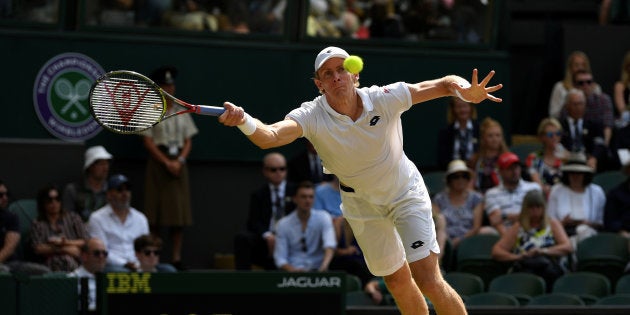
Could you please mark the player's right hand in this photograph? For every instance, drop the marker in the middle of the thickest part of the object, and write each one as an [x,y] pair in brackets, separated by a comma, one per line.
[233,115]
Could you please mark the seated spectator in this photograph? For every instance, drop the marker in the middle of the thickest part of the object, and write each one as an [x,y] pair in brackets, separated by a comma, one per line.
[10,239]
[484,161]
[503,202]
[581,135]
[599,107]
[535,243]
[88,195]
[148,248]
[460,139]
[118,224]
[617,209]
[461,206]
[267,205]
[576,202]
[57,235]
[577,60]
[622,91]
[544,165]
[305,239]
[93,260]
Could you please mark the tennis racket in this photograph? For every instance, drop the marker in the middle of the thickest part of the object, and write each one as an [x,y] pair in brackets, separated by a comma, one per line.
[128,102]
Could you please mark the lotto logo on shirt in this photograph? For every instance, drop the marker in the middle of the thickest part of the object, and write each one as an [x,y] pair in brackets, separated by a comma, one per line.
[61,96]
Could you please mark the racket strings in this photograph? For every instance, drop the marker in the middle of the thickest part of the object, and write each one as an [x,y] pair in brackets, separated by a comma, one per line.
[127,103]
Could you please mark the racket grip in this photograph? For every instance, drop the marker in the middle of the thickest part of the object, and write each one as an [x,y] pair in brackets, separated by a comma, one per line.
[210,110]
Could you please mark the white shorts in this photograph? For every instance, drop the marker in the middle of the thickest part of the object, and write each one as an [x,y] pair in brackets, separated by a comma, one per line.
[389,234]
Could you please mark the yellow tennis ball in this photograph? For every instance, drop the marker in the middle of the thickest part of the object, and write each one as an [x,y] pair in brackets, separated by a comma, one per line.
[353,64]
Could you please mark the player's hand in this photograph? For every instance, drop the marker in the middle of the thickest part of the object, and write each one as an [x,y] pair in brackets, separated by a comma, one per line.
[233,115]
[478,91]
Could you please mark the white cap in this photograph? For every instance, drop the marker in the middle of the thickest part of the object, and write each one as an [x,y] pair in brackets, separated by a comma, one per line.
[95,153]
[328,53]
[456,166]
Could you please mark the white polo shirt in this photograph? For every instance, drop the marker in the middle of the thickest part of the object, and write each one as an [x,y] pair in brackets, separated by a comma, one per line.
[366,154]
[506,201]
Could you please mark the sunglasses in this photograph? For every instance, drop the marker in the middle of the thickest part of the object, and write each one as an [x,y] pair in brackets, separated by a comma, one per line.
[276,169]
[465,176]
[583,82]
[99,253]
[303,242]
[551,134]
[148,252]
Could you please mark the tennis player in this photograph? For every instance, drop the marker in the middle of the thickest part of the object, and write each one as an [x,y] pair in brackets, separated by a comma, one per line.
[357,132]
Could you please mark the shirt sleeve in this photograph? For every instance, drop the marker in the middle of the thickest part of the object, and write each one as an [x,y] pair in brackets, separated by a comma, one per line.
[281,249]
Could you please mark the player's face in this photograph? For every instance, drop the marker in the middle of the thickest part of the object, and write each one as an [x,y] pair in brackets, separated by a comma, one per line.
[333,78]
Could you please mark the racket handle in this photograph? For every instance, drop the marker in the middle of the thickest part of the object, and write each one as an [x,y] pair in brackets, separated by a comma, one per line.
[209,110]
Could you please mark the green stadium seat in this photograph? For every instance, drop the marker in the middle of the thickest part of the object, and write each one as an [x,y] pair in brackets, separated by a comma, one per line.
[465,283]
[556,299]
[492,299]
[523,286]
[589,286]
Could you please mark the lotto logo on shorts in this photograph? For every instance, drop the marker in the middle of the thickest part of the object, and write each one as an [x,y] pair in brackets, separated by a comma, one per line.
[417,244]
[61,96]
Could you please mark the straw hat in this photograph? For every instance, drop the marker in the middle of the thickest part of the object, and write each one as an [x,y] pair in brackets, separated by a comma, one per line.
[456,166]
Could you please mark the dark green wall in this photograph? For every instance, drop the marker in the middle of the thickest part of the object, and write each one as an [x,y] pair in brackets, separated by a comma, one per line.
[268,79]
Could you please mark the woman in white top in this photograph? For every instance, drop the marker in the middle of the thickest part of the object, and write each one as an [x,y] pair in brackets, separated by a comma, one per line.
[576,202]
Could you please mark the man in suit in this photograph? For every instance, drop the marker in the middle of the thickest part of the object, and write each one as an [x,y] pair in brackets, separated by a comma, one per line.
[267,205]
[306,166]
[581,135]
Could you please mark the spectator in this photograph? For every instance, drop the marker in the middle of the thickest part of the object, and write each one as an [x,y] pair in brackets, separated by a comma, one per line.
[460,139]
[576,202]
[93,260]
[617,209]
[503,202]
[543,165]
[267,205]
[148,248]
[306,237]
[614,12]
[57,235]
[89,194]
[577,60]
[167,195]
[535,243]
[377,290]
[581,135]
[599,108]
[483,163]
[622,92]
[10,239]
[461,206]
[118,224]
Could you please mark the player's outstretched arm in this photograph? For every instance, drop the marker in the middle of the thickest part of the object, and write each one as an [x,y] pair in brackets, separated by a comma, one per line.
[453,85]
[263,135]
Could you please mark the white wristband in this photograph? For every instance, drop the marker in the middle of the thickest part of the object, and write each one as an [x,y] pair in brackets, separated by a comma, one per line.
[249,126]
[464,84]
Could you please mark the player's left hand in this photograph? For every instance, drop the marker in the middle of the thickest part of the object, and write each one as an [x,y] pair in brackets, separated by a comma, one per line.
[477,91]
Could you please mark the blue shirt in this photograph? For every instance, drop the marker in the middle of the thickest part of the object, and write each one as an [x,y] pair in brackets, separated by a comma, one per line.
[304,249]
[329,199]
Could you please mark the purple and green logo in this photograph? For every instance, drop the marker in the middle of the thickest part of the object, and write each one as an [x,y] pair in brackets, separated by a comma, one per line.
[61,96]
